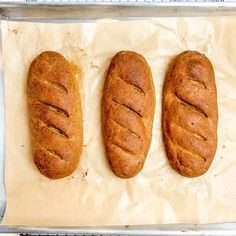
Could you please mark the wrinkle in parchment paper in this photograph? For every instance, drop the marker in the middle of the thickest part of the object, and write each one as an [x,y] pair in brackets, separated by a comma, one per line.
[92,195]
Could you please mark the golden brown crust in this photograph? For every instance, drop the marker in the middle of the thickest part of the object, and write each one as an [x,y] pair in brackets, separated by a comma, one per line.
[190,114]
[55,115]
[127,113]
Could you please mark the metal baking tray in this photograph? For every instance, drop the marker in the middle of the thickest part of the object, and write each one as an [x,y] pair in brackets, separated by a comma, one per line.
[81,10]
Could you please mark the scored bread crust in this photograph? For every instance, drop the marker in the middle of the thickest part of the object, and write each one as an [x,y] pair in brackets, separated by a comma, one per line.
[190,114]
[127,113]
[55,115]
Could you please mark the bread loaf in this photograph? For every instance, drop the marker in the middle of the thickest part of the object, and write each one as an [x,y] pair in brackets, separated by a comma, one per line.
[127,113]
[54,115]
[189,116]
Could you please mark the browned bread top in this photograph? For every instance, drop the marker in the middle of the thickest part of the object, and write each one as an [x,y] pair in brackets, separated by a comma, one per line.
[127,113]
[190,114]
[55,115]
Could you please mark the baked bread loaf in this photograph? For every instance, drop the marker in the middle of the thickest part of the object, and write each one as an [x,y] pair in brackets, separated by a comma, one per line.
[127,113]
[55,115]
[190,116]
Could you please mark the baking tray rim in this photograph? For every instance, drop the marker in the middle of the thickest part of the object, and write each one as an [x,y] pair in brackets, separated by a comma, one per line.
[29,11]
[168,229]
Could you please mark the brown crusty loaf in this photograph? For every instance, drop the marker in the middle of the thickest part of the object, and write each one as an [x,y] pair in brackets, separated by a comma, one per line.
[127,113]
[190,115]
[55,115]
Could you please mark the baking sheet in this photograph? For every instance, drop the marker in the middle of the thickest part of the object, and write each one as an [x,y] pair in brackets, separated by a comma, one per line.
[93,195]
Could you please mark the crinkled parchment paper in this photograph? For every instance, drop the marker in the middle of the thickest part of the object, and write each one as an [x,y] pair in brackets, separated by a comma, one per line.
[92,195]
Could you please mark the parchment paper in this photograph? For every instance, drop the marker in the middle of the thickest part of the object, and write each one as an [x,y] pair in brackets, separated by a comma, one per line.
[92,195]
